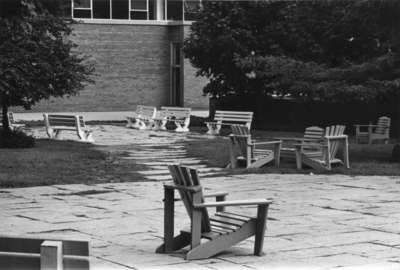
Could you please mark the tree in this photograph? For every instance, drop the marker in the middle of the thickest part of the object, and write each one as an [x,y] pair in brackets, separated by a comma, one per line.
[37,60]
[316,50]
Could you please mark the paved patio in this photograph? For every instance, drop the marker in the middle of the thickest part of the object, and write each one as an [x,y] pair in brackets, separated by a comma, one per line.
[316,222]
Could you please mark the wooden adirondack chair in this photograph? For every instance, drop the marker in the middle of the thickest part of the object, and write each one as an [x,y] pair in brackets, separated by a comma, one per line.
[311,135]
[325,152]
[222,230]
[256,154]
[377,132]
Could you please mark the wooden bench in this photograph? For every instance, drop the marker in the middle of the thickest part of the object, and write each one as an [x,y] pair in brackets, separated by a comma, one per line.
[178,115]
[143,117]
[31,253]
[228,118]
[11,122]
[55,123]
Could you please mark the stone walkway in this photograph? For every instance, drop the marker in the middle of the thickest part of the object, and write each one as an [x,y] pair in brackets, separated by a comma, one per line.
[316,221]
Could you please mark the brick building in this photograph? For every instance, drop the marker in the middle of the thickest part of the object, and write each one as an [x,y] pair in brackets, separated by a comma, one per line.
[135,46]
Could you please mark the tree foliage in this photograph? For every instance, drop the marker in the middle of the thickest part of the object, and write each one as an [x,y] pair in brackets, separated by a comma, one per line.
[37,59]
[320,50]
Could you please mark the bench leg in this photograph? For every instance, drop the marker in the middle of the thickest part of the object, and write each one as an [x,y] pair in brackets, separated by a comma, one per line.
[213,129]
[85,135]
[133,123]
[141,124]
[181,127]
[160,125]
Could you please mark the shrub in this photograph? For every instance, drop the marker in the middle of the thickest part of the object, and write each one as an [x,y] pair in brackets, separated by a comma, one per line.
[15,139]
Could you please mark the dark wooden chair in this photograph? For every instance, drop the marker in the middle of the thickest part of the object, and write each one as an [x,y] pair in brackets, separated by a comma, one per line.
[223,229]
[255,153]
[34,253]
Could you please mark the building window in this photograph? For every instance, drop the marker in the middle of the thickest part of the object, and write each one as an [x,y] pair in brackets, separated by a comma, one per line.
[176,74]
[176,10]
[139,9]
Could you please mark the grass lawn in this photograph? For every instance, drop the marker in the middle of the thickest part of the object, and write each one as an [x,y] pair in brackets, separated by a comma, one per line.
[365,159]
[64,162]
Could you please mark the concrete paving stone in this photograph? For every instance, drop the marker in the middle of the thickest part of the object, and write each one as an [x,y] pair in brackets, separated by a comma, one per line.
[320,221]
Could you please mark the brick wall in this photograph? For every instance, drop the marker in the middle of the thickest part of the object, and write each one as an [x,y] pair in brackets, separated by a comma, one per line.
[132,66]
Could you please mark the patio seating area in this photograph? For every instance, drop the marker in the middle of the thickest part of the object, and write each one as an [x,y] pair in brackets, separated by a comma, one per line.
[314,222]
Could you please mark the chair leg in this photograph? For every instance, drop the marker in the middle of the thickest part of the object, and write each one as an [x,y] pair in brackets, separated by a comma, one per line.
[262,212]
[180,241]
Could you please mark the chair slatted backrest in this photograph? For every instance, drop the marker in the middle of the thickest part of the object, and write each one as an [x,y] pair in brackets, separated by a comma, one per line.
[337,130]
[147,111]
[312,133]
[234,117]
[65,120]
[241,135]
[176,112]
[383,125]
[188,177]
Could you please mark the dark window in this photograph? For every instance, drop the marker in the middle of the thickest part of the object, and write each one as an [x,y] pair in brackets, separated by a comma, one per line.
[120,9]
[82,13]
[101,9]
[139,4]
[174,10]
[139,15]
[81,3]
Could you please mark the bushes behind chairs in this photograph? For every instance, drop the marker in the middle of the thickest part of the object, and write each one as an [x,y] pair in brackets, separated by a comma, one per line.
[15,139]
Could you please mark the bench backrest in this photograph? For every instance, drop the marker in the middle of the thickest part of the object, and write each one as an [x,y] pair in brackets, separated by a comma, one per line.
[234,117]
[175,112]
[10,119]
[146,111]
[383,125]
[25,253]
[65,120]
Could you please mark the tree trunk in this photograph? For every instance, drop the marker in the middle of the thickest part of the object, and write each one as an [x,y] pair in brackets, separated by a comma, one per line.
[5,121]
[396,126]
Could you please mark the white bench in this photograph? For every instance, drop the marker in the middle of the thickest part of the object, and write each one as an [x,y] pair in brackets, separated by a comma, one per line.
[31,253]
[11,122]
[228,118]
[143,117]
[178,115]
[55,123]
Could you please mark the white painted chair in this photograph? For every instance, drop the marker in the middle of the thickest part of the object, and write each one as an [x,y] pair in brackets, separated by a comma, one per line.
[371,133]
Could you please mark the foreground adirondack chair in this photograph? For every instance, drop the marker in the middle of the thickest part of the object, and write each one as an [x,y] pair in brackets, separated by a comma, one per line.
[256,154]
[311,135]
[223,229]
[377,132]
[325,151]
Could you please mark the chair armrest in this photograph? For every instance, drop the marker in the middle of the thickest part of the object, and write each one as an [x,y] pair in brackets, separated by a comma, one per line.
[288,138]
[298,145]
[261,143]
[179,187]
[234,135]
[336,137]
[215,194]
[365,125]
[233,203]
[211,122]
